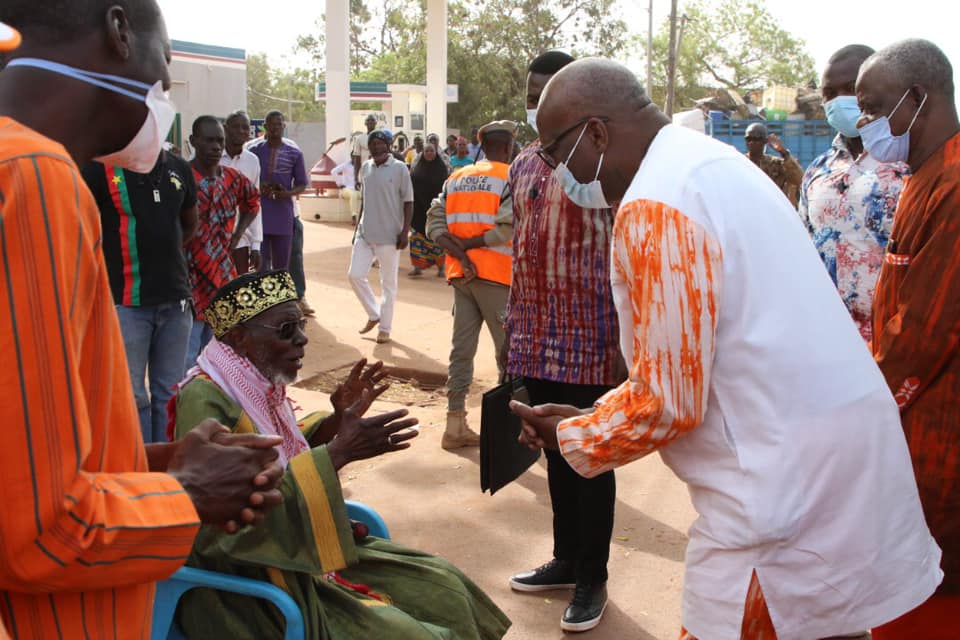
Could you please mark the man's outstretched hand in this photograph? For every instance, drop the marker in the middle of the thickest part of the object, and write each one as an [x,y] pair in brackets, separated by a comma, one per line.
[232,479]
[361,438]
[540,423]
[360,378]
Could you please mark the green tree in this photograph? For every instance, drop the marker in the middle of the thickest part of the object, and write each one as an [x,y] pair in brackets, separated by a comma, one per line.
[736,44]
[489,46]
[292,91]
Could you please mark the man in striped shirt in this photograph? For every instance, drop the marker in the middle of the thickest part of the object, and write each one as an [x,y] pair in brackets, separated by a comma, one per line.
[227,203]
[562,338]
[146,219]
[92,517]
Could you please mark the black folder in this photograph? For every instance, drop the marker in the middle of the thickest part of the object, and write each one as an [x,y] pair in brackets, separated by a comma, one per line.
[502,458]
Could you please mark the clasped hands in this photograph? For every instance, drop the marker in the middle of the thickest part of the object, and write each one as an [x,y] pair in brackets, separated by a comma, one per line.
[540,423]
[456,247]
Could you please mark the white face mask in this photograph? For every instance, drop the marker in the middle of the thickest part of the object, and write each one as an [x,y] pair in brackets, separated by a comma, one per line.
[140,154]
[532,118]
[879,140]
[588,196]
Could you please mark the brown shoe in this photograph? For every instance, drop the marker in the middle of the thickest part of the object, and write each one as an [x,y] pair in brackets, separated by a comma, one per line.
[383,337]
[458,434]
[305,308]
[370,325]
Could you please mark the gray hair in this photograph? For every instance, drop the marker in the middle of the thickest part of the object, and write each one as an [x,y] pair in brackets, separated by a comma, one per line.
[916,61]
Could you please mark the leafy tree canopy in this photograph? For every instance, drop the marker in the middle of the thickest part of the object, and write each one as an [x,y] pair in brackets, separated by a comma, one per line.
[735,44]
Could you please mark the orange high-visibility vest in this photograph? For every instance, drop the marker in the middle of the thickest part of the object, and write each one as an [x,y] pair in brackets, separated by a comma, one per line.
[473,198]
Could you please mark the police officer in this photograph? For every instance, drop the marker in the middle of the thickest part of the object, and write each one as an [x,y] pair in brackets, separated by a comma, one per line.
[472,219]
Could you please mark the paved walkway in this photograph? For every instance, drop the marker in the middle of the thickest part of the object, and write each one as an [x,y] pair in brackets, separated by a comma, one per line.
[431,498]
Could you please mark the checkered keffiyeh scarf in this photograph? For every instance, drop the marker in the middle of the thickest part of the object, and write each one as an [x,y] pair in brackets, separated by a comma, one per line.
[265,403]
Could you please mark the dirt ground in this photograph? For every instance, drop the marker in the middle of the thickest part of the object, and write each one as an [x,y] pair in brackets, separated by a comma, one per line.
[431,498]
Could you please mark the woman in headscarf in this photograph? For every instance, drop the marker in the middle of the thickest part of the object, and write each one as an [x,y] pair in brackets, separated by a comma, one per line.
[428,174]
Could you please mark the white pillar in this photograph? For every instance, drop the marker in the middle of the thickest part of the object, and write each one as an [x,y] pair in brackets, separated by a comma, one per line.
[338,70]
[437,68]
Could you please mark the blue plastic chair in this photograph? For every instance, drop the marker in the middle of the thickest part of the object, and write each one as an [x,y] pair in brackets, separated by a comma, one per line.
[362,513]
[170,590]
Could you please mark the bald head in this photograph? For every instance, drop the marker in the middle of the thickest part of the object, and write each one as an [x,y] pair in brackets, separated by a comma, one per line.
[595,116]
[594,86]
[59,21]
[915,62]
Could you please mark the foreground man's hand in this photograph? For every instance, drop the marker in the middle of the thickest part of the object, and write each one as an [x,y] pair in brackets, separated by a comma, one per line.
[231,479]
[540,423]
[361,438]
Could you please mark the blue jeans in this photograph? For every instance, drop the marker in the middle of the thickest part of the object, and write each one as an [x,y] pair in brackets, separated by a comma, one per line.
[200,335]
[155,339]
[296,259]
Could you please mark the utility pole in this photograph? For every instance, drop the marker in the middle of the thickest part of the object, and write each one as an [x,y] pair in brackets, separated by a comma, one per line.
[650,48]
[671,60]
[683,24]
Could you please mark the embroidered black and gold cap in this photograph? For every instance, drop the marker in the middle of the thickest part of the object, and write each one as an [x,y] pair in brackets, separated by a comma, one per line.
[248,296]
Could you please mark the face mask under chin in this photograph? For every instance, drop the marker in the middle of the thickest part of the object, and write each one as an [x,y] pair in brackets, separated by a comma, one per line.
[588,196]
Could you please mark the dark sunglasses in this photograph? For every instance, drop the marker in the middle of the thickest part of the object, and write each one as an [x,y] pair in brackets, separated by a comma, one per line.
[285,331]
[543,151]
[753,139]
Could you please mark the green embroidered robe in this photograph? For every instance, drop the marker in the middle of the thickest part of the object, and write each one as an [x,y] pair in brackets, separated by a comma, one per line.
[305,538]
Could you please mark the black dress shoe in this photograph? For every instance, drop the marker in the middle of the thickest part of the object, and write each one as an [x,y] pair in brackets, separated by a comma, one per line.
[556,574]
[586,608]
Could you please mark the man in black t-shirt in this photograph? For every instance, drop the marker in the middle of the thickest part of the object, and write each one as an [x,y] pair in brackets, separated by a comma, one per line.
[146,220]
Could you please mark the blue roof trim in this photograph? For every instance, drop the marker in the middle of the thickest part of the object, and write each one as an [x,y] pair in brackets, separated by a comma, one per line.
[182,46]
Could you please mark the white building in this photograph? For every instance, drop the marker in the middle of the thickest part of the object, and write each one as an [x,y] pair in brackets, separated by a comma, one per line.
[205,80]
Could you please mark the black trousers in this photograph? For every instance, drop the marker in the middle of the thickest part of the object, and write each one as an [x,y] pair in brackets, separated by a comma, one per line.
[582,507]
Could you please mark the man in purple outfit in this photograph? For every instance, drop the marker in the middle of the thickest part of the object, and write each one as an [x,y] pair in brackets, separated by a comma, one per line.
[283,176]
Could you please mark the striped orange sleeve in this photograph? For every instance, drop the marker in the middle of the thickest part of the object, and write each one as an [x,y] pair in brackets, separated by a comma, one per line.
[80,510]
[666,272]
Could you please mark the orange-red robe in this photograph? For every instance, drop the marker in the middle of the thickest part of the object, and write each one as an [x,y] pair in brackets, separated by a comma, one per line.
[86,530]
[916,329]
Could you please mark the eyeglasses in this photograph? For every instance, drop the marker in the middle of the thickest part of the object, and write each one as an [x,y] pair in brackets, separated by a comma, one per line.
[542,150]
[285,331]
[755,139]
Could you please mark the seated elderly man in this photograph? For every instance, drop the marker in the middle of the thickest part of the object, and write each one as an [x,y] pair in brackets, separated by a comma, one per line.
[347,585]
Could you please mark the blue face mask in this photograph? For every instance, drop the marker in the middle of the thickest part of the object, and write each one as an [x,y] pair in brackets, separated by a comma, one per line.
[842,114]
[879,140]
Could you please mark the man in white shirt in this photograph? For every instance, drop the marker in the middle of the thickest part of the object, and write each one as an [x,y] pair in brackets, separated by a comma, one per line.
[383,231]
[759,394]
[343,175]
[360,152]
[246,257]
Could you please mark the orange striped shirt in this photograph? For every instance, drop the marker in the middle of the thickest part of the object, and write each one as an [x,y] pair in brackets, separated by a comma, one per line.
[666,269]
[86,529]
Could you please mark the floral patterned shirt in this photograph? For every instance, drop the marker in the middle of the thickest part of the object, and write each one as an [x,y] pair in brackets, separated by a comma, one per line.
[847,206]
